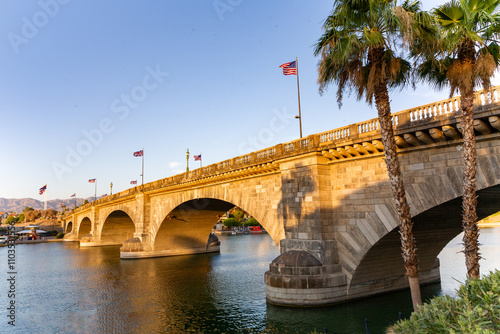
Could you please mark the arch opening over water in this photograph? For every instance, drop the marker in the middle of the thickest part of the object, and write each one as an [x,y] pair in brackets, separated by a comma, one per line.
[85,227]
[69,227]
[117,228]
[188,226]
[433,230]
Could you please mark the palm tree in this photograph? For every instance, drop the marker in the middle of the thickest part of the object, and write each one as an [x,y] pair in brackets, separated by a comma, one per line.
[358,52]
[464,54]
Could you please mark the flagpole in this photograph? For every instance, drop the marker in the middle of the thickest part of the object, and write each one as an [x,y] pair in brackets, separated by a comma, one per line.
[45,204]
[201,163]
[142,175]
[75,201]
[298,95]
[95,191]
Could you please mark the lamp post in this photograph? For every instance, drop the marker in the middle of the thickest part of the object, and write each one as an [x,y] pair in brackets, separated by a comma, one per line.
[111,189]
[300,123]
[298,97]
[187,160]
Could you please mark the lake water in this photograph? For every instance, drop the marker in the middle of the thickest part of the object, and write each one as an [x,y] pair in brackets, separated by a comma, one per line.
[61,288]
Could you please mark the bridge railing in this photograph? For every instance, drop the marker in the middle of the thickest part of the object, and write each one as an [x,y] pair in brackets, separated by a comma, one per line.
[402,119]
[409,117]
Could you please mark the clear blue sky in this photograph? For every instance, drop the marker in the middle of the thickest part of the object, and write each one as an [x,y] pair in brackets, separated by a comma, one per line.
[84,84]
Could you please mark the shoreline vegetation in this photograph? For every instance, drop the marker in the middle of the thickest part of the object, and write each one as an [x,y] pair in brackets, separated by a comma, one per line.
[476,309]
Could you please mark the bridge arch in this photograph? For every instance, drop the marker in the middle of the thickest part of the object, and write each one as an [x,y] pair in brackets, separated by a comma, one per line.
[69,227]
[187,227]
[433,230]
[84,228]
[246,196]
[117,227]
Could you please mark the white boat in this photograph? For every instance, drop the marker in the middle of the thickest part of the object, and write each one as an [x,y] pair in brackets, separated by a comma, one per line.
[3,240]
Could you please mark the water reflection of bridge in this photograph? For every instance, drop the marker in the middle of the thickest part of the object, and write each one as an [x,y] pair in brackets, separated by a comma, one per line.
[325,199]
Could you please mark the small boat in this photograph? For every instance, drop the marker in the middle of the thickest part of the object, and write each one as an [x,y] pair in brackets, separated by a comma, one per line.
[3,240]
[256,230]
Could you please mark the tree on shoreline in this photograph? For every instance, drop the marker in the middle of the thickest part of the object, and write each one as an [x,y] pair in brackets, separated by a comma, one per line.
[32,215]
[358,52]
[463,54]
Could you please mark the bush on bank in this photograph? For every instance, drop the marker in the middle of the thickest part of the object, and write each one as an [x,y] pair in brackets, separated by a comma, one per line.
[252,222]
[230,222]
[476,309]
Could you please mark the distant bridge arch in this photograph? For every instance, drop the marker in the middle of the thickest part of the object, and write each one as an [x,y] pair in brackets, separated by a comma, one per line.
[118,226]
[68,227]
[84,227]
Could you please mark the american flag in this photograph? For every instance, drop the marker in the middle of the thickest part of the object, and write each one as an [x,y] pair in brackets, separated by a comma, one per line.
[92,181]
[42,189]
[133,182]
[197,157]
[290,68]
[104,195]
[73,195]
[139,153]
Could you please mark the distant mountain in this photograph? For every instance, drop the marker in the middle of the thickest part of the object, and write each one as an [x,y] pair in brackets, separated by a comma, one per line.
[18,204]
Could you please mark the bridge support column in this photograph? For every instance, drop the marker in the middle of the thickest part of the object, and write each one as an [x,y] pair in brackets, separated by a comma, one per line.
[140,246]
[298,278]
[69,234]
[307,273]
[92,239]
[132,248]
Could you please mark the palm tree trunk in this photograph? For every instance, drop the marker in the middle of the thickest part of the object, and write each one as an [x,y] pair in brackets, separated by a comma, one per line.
[469,201]
[408,244]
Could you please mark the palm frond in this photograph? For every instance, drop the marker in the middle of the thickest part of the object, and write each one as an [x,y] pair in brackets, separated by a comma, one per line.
[353,30]
[449,14]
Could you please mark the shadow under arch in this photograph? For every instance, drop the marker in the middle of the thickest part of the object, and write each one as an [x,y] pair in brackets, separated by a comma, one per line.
[117,228]
[85,227]
[433,230]
[187,228]
[69,227]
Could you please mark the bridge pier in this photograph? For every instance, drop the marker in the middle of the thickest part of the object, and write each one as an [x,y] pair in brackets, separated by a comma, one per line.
[297,278]
[139,247]
[89,240]
[70,237]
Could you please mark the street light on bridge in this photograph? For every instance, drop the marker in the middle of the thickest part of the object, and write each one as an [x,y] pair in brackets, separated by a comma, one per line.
[300,123]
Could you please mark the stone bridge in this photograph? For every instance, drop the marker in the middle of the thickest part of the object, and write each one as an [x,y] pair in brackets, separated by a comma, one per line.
[324,199]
